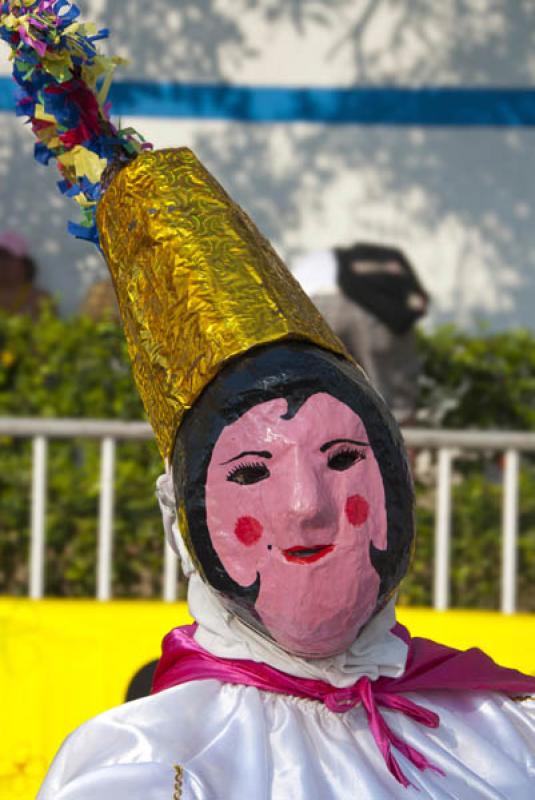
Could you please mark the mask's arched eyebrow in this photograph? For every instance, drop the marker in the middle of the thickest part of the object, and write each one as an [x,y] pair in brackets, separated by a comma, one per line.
[261,453]
[327,445]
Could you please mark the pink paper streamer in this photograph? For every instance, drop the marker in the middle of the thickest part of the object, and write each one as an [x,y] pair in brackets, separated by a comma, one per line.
[40,47]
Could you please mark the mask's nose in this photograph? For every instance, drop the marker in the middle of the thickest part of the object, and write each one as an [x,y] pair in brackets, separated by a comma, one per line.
[310,504]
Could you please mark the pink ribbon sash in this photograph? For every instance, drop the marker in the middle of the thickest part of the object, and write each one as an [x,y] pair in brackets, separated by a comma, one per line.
[430,666]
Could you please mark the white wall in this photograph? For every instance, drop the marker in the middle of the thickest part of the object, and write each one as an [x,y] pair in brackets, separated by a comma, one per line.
[458,200]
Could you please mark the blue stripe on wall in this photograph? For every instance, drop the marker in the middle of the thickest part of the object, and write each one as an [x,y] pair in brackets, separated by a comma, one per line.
[444,106]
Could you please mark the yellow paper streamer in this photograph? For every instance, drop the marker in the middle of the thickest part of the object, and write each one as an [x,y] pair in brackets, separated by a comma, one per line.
[84,162]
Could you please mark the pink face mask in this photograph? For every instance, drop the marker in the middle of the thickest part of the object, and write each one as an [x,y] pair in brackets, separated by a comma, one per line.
[297,502]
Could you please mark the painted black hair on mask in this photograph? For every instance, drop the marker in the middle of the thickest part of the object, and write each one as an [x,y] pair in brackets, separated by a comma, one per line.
[293,371]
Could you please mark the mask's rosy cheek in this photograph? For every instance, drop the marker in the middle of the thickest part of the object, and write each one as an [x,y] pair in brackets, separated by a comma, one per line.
[248,530]
[357,510]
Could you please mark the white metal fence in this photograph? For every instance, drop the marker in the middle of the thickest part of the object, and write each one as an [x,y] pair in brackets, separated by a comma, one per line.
[108,432]
[448,444]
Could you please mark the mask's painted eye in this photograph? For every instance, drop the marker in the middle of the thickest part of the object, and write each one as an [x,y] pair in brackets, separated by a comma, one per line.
[344,459]
[248,473]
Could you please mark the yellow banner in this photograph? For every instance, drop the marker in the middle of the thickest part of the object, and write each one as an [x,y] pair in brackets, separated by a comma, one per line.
[64,661]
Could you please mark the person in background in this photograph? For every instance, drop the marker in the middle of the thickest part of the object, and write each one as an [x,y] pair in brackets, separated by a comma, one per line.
[100,302]
[371,296]
[18,293]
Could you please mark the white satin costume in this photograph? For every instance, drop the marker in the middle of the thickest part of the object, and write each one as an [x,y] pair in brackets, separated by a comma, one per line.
[234,742]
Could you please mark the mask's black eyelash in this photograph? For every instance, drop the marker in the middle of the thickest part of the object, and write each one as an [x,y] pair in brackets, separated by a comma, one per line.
[350,451]
[352,454]
[241,465]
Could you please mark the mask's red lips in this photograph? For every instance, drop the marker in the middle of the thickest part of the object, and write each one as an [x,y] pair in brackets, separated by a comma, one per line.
[307,555]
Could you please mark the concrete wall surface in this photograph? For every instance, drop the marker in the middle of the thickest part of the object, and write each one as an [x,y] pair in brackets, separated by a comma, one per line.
[458,199]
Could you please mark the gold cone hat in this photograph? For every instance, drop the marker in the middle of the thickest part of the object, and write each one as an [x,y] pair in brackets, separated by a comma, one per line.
[197,283]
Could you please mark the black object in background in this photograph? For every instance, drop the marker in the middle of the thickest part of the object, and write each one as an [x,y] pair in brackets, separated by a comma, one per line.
[382,281]
[141,683]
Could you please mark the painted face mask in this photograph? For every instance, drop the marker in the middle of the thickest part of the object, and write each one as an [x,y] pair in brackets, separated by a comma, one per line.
[304,521]
[297,502]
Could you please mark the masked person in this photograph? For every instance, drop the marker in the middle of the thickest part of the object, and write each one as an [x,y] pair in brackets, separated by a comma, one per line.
[287,495]
[18,293]
[294,503]
[372,298]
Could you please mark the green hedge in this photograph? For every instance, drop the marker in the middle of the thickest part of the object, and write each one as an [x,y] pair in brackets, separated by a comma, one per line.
[478,381]
[75,368]
[484,381]
[79,368]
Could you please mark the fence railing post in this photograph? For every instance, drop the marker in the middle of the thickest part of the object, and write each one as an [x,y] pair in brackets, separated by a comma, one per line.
[38,517]
[105,527]
[441,589]
[509,531]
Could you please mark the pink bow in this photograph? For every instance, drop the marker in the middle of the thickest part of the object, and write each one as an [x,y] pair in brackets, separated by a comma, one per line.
[341,700]
[430,666]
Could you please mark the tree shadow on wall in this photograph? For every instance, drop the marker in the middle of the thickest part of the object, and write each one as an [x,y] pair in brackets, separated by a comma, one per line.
[477,177]
[285,174]
[482,181]
[420,42]
[459,42]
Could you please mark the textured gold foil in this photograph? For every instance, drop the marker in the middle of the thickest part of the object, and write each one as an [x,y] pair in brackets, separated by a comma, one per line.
[197,283]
